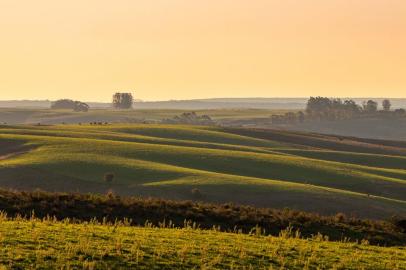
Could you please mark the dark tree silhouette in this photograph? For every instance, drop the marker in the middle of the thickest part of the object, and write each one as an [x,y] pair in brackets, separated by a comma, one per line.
[318,107]
[322,108]
[123,100]
[109,177]
[386,104]
[63,104]
[331,109]
[77,106]
[81,107]
[399,112]
[370,106]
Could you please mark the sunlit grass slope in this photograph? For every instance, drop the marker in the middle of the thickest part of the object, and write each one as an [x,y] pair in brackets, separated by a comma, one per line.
[48,244]
[171,160]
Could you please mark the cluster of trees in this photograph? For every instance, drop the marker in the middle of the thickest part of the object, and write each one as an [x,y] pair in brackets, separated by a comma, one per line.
[123,101]
[322,108]
[69,104]
[288,118]
[190,118]
[334,109]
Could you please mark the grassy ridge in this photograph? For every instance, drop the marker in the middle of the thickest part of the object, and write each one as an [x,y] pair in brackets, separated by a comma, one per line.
[228,217]
[169,161]
[49,244]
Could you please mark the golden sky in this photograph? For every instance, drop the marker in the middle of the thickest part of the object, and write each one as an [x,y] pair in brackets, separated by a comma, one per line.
[181,49]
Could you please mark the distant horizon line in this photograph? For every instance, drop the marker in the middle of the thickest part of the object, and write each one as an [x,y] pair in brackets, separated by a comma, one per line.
[200,99]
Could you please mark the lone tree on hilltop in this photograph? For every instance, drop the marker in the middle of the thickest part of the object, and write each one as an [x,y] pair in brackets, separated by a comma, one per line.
[386,105]
[123,100]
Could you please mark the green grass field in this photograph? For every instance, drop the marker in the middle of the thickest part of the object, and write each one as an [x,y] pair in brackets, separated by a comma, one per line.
[305,172]
[49,244]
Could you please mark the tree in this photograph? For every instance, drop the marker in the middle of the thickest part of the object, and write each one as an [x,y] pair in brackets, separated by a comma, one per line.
[63,104]
[352,108]
[386,104]
[318,107]
[80,107]
[123,100]
[399,112]
[77,106]
[290,117]
[109,177]
[370,106]
[331,109]
[301,117]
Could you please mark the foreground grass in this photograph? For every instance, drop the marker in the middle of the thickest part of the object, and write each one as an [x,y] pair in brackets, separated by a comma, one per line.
[229,217]
[50,244]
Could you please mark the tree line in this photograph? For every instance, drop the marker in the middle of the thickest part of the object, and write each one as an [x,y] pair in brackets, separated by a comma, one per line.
[323,108]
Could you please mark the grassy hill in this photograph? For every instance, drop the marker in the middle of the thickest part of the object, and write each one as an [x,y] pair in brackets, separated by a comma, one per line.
[49,244]
[303,171]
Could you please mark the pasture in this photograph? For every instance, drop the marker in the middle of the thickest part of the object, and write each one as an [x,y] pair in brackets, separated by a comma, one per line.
[303,171]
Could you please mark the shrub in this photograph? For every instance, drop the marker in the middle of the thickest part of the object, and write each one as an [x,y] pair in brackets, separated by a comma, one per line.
[196,193]
[339,217]
[110,194]
[401,224]
[109,177]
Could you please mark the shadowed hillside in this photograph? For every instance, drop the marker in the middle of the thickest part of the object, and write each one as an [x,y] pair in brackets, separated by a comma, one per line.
[265,168]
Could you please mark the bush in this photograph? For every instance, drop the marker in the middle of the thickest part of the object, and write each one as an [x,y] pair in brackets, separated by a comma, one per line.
[401,224]
[339,217]
[196,193]
[109,177]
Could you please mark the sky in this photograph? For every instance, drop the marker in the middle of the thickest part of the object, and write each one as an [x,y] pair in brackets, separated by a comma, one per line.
[185,49]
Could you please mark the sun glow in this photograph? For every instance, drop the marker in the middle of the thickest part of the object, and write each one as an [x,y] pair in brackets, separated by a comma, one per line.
[183,49]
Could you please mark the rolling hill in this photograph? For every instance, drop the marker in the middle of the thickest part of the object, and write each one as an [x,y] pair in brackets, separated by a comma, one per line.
[265,168]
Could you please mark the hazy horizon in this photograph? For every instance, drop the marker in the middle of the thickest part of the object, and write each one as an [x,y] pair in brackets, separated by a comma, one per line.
[211,98]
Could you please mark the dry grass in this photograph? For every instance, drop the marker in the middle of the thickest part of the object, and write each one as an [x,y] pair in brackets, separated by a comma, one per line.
[51,244]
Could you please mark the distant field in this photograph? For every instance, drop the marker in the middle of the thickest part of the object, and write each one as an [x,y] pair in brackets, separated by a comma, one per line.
[383,128]
[378,127]
[48,116]
[48,244]
[302,171]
